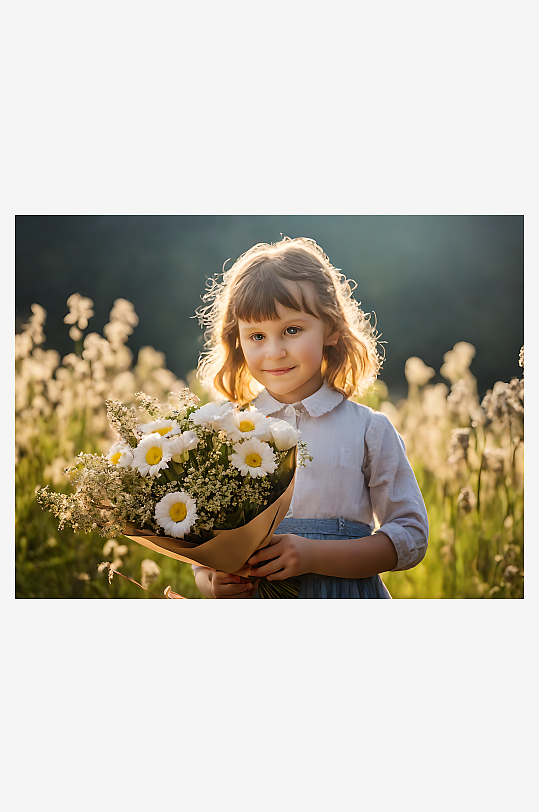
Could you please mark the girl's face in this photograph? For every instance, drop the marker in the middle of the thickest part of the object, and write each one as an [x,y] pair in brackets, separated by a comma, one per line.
[285,356]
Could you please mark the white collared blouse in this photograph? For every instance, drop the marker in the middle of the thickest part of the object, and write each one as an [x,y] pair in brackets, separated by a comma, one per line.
[359,470]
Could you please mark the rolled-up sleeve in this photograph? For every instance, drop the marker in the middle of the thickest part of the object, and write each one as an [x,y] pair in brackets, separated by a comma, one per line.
[396,500]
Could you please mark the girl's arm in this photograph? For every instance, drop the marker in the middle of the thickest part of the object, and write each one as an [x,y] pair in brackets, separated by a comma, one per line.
[345,558]
[351,558]
[397,502]
[401,540]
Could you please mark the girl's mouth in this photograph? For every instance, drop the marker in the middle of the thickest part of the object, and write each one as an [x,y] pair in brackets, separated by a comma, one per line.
[281,371]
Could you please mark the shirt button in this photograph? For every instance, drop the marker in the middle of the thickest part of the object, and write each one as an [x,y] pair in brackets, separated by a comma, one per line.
[289,410]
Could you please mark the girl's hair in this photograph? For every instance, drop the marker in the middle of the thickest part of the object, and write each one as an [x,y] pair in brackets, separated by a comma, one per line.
[249,291]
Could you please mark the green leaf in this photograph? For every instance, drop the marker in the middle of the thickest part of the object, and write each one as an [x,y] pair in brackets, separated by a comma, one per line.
[232,518]
[223,454]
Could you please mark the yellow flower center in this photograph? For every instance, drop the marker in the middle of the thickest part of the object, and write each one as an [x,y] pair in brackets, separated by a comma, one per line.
[253,460]
[178,512]
[164,431]
[246,425]
[116,458]
[154,455]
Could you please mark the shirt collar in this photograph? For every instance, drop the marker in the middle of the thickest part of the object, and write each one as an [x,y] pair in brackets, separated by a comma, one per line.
[324,400]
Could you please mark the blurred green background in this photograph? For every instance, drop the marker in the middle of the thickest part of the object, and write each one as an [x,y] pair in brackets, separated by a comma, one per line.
[431,280]
[447,289]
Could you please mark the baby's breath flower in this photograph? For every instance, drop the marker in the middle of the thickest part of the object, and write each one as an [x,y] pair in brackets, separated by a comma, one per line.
[117,334]
[122,320]
[150,405]
[106,565]
[150,572]
[495,403]
[457,361]
[33,329]
[112,546]
[510,573]
[98,349]
[124,421]
[417,372]
[303,454]
[460,440]
[23,345]
[124,311]
[80,311]
[493,459]
[183,399]
[515,396]
[462,400]
[467,499]
[504,404]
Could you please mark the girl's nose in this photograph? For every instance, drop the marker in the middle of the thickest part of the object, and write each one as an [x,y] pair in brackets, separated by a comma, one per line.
[274,352]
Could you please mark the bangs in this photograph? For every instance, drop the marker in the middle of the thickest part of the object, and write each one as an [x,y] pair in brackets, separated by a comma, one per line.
[257,294]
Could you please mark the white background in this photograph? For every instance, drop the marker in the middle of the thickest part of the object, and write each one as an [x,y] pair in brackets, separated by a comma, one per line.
[247,108]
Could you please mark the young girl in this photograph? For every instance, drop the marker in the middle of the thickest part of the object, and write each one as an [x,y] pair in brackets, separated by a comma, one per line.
[286,334]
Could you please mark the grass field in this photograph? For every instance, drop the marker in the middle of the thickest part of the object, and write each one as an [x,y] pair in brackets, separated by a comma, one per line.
[467,457]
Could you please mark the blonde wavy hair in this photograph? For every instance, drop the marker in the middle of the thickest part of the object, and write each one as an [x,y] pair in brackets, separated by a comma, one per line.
[249,291]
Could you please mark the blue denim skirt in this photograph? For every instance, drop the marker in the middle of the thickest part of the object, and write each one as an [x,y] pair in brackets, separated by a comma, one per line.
[328,586]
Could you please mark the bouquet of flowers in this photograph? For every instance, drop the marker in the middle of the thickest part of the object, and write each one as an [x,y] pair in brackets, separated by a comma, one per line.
[206,485]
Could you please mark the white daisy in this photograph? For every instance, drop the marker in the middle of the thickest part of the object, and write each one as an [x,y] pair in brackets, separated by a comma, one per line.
[283,434]
[151,455]
[121,455]
[245,425]
[209,413]
[181,443]
[176,514]
[162,427]
[253,457]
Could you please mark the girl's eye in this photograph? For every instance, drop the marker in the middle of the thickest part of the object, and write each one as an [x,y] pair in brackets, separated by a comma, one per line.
[260,336]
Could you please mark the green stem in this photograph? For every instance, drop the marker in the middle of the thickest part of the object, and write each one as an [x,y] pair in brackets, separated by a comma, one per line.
[492,579]
[509,511]
[455,511]
[135,582]
[513,449]
[480,470]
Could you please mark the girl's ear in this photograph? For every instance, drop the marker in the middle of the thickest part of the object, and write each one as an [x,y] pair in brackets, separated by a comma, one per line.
[332,339]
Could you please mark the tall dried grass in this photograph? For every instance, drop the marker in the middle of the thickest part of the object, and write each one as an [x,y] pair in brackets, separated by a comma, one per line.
[467,456]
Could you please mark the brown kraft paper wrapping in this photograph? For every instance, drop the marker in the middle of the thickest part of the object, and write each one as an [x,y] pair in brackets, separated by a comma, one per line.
[228,550]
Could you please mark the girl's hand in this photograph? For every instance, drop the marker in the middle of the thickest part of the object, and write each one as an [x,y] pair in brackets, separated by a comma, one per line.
[227,585]
[290,557]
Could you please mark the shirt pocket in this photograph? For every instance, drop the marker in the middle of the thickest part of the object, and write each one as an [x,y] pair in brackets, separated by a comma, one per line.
[349,455]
